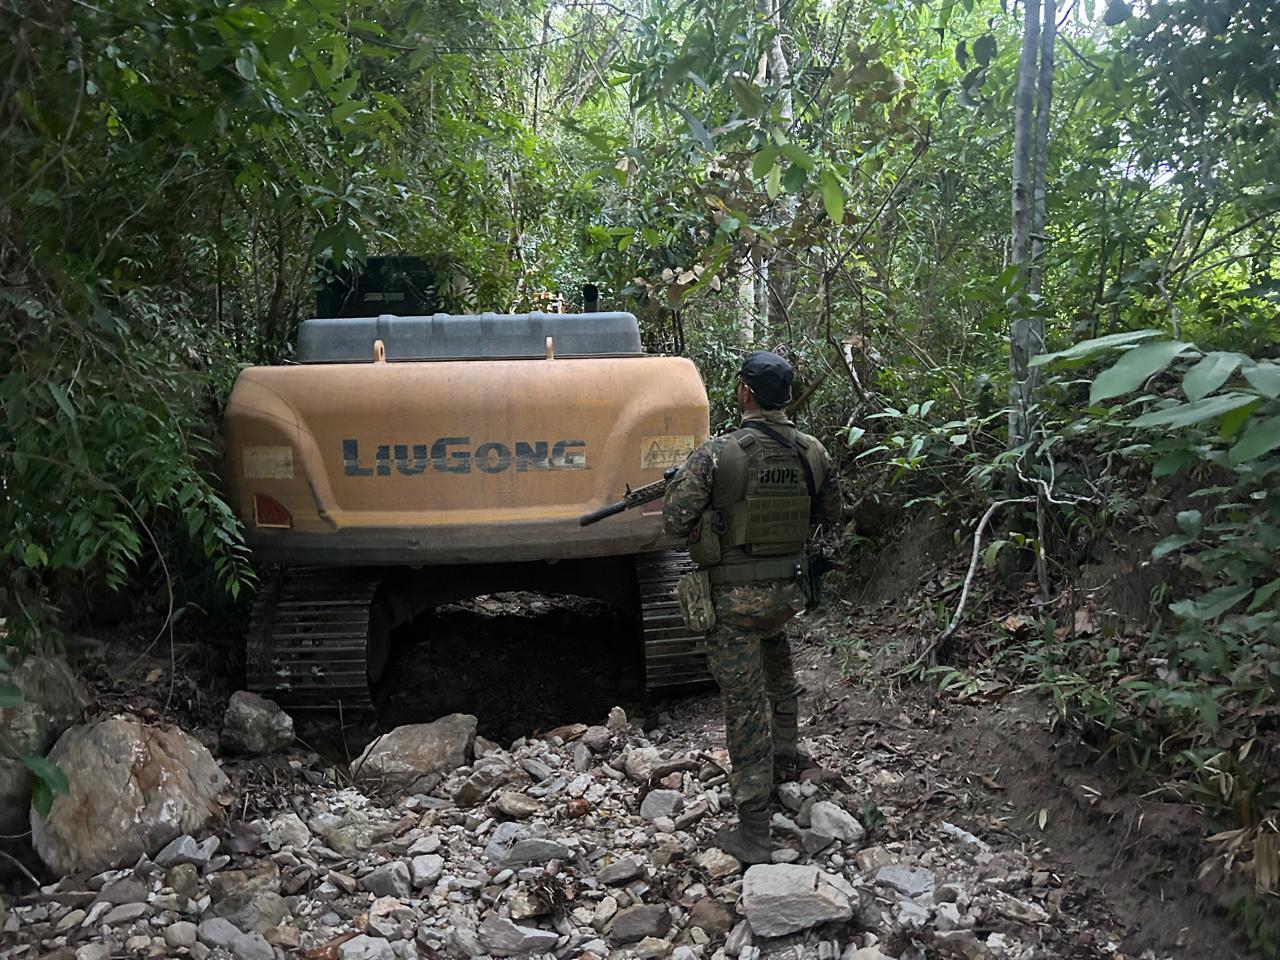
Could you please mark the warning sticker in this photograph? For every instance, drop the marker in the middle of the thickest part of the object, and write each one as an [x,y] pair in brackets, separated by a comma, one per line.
[268,463]
[662,452]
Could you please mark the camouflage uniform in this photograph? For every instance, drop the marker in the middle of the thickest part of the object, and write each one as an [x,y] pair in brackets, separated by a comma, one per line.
[747,650]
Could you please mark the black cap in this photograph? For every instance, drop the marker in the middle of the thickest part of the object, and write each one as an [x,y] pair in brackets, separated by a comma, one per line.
[769,377]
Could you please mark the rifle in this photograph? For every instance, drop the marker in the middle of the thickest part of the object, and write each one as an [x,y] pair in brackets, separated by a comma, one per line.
[633,498]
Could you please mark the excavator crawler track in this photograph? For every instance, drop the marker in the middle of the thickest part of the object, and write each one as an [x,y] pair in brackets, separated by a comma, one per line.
[675,657]
[313,632]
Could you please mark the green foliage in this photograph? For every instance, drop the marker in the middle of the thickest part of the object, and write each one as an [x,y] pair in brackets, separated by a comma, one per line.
[47,777]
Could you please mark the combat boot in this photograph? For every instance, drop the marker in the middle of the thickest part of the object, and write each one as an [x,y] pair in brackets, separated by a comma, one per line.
[749,841]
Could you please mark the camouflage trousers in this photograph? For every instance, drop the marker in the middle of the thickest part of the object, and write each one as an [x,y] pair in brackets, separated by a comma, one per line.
[750,659]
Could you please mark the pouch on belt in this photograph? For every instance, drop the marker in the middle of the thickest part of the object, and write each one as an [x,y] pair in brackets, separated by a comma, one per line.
[694,593]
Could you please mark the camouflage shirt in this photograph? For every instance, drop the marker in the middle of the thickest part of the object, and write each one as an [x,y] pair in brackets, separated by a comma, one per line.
[689,492]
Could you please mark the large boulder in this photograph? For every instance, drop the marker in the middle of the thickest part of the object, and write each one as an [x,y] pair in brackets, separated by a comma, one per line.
[254,726]
[133,789]
[52,700]
[414,757]
[782,898]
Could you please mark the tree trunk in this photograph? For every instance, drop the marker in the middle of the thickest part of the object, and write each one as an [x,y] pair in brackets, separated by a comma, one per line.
[1044,101]
[777,272]
[747,302]
[1021,346]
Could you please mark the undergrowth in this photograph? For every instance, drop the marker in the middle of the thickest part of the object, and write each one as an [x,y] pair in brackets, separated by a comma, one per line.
[1188,699]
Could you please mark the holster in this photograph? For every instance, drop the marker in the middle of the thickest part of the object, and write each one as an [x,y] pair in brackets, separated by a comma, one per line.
[819,564]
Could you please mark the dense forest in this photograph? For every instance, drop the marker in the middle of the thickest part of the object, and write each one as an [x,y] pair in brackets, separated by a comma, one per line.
[1024,257]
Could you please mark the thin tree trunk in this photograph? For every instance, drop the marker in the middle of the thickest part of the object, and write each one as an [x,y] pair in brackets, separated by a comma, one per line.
[1020,328]
[747,302]
[538,70]
[777,273]
[1044,102]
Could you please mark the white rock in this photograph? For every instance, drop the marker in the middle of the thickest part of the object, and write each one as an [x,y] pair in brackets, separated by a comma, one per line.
[863,953]
[503,938]
[661,803]
[834,821]
[389,880]
[93,951]
[428,844]
[288,830]
[218,933]
[717,864]
[136,787]
[947,917]
[366,948]
[252,946]
[910,881]
[782,898]
[910,915]
[417,753]
[254,726]
[639,764]
[182,849]
[126,913]
[427,869]
[180,934]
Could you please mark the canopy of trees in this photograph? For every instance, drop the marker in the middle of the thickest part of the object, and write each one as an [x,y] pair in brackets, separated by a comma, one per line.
[917,200]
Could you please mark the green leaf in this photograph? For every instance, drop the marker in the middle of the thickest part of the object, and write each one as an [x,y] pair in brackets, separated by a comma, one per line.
[41,797]
[1087,348]
[1171,543]
[1134,368]
[773,183]
[697,129]
[10,694]
[1212,605]
[832,196]
[1231,423]
[246,65]
[993,549]
[1265,378]
[1261,436]
[1209,374]
[796,154]
[1190,521]
[1185,414]
[1263,594]
[748,95]
[62,400]
[984,49]
[764,161]
[1171,463]
[48,771]
[794,178]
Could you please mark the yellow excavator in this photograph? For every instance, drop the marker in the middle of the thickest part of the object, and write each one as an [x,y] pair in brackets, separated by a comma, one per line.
[406,460]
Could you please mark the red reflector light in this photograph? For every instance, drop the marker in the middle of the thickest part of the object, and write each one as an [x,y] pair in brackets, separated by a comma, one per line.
[270,513]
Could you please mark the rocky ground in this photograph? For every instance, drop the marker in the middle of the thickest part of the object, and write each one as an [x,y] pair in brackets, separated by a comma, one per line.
[590,840]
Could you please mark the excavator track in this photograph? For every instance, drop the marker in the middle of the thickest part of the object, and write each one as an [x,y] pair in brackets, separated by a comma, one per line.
[314,632]
[675,657]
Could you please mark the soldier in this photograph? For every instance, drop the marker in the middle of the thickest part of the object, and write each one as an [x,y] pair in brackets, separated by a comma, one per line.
[746,501]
